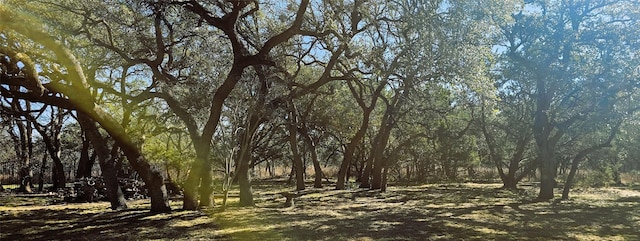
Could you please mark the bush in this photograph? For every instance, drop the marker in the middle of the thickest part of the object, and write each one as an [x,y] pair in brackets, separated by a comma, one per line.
[594,178]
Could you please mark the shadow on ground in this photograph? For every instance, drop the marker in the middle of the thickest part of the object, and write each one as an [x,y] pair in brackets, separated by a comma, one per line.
[96,222]
[439,212]
[429,212]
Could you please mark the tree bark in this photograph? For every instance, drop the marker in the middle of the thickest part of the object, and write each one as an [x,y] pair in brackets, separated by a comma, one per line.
[293,142]
[53,147]
[353,144]
[206,186]
[547,174]
[244,180]
[317,182]
[81,98]
[365,178]
[378,151]
[26,174]
[105,159]
[385,174]
[43,169]
[85,164]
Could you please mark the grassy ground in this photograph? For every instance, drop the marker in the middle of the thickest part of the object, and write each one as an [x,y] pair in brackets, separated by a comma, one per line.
[428,212]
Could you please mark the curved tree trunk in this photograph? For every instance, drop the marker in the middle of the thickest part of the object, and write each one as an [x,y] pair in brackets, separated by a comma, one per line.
[107,166]
[346,161]
[583,154]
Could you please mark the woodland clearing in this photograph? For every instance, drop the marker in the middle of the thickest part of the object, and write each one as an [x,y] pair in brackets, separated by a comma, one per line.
[465,211]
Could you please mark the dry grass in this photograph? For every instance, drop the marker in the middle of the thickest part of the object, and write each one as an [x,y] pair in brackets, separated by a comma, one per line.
[428,212]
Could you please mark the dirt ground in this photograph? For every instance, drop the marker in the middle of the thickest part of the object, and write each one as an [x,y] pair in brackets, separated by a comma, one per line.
[465,211]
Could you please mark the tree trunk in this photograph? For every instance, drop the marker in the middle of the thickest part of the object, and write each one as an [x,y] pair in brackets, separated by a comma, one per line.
[344,166]
[350,150]
[509,182]
[190,200]
[317,168]
[512,178]
[365,179]
[206,186]
[583,154]
[569,182]
[383,186]
[244,182]
[317,183]
[151,175]
[26,174]
[542,129]
[547,174]
[366,115]
[105,159]
[25,180]
[53,147]
[85,164]
[43,169]
[242,166]
[378,153]
[293,142]
[58,176]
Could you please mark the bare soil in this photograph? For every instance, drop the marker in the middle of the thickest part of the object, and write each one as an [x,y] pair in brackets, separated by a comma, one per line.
[465,211]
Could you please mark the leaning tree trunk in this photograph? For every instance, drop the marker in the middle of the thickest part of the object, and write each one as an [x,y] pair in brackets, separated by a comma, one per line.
[350,150]
[107,166]
[583,154]
[378,158]
[85,103]
[569,182]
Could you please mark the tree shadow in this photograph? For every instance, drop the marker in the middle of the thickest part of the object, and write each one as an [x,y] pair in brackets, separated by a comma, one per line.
[102,224]
[449,213]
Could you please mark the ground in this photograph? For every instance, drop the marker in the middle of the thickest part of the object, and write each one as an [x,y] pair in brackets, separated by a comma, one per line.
[465,211]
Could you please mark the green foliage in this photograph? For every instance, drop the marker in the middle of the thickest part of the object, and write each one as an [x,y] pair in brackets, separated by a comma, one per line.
[596,179]
[464,83]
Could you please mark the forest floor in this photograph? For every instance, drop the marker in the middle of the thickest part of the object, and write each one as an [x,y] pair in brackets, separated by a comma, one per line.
[465,211]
